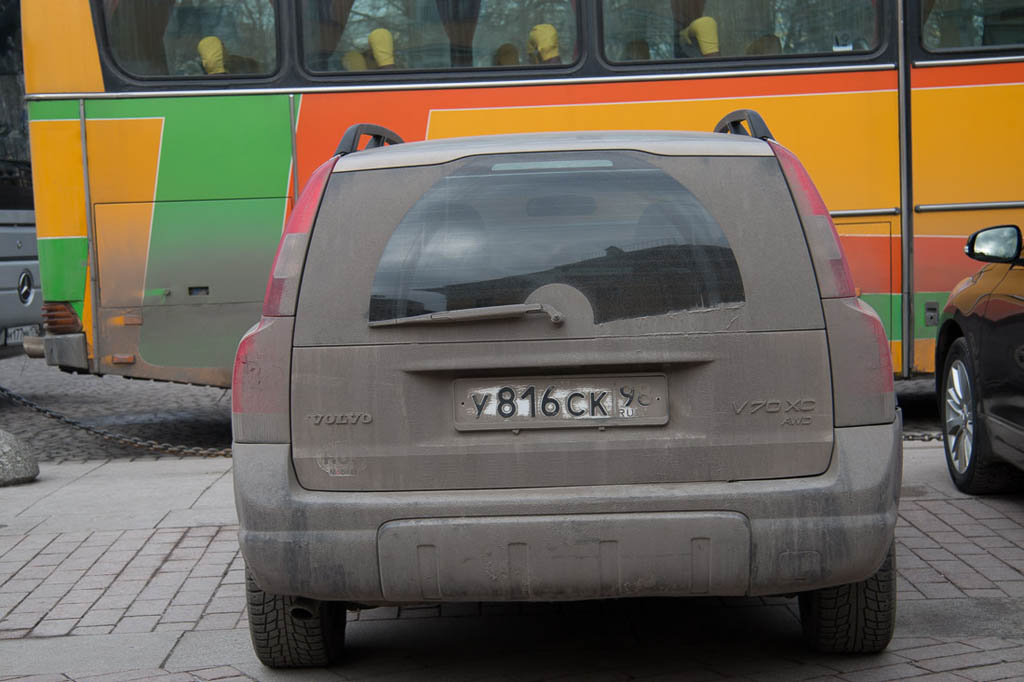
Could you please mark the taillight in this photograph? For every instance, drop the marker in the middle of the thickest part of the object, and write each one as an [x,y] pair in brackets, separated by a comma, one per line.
[830,265]
[259,383]
[60,318]
[862,382]
[283,286]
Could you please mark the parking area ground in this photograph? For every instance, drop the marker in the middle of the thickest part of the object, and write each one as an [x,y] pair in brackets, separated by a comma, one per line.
[121,566]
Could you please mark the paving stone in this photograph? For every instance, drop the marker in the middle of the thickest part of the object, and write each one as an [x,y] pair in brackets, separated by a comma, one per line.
[13,634]
[65,576]
[102,617]
[992,643]
[937,554]
[169,579]
[126,676]
[236,591]
[225,605]
[148,607]
[94,582]
[20,621]
[901,643]
[936,650]
[77,596]
[1013,588]
[178,614]
[234,577]
[52,591]
[217,621]
[26,585]
[92,630]
[34,604]
[136,624]
[190,598]
[200,584]
[885,673]
[922,575]
[12,598]
[71,610]
[53,628]
[959,661]
[939,590]
[1001,671]
[114,601]
[215,673]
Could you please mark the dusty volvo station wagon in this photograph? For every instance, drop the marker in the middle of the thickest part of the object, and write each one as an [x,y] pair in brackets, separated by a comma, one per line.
[563,367]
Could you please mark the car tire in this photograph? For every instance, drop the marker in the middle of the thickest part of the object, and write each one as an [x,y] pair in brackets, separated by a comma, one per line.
[857,618]
[293,632]
[968,450]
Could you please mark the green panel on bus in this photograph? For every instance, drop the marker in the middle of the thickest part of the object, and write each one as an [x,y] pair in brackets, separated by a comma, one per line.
[58,110]
[62,267]
[207,257]
[214,147]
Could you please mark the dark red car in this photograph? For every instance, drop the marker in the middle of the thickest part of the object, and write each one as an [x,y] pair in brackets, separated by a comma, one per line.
[979,361]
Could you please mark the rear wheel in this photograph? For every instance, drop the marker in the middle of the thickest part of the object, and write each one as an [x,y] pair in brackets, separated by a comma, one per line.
[968,453]
[855,618]
[293,632]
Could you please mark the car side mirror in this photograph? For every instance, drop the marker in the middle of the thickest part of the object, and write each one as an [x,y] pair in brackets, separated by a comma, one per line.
[999,244]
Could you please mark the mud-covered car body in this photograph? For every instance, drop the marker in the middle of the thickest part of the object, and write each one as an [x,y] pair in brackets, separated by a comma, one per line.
[563,367]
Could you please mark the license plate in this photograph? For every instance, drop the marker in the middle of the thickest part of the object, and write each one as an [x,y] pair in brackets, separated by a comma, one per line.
[557,402]
[15,335]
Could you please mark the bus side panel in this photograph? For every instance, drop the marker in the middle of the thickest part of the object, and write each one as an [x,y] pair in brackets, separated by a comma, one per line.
[59,46]
[187,222]
[970,156]
[844,127]
[58,182]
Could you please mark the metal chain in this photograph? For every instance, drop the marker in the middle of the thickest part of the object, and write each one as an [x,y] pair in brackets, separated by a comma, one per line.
[133,441]
[927,436]
[196,451]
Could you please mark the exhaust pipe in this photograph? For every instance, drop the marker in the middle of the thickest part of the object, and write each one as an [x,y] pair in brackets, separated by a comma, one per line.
[303,609]
[33,346]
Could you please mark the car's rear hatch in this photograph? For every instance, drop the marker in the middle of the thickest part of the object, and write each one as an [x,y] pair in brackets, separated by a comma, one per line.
[692,346]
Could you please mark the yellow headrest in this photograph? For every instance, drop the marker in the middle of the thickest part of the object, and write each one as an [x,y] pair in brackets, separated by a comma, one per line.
[353,60]
[507,55]
[705,31]
[544,41]
[383,46]
[211,51]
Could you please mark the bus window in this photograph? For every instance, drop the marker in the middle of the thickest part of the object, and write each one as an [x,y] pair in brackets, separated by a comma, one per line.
[978,24]
[367,35]
[661,30]
[192,37]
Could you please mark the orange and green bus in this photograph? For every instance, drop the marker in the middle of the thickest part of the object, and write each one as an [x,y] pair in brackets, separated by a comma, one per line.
[170,137]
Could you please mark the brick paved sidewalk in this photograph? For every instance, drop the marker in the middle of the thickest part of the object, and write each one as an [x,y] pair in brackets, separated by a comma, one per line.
[951,551]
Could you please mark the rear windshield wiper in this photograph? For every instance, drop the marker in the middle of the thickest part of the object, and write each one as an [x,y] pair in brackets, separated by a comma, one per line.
[491,312]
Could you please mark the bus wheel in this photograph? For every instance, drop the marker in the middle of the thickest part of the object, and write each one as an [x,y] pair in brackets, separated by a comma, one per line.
[857,618]
[293,632]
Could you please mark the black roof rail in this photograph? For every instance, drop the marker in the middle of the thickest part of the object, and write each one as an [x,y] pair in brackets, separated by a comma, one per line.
[379,136]
[733,123]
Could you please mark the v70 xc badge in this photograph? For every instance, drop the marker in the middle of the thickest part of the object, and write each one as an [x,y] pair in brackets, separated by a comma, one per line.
[774,406]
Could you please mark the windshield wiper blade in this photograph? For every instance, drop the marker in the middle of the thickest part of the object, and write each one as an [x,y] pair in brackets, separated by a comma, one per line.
[491,312]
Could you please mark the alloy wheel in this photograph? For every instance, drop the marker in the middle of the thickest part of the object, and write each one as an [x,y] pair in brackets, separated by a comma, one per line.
[959,417]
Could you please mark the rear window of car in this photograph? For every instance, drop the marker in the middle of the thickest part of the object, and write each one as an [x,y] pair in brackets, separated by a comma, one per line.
[631,238]
[651,244]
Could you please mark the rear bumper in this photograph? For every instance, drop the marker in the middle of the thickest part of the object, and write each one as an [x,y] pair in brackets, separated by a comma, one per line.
[748,537]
